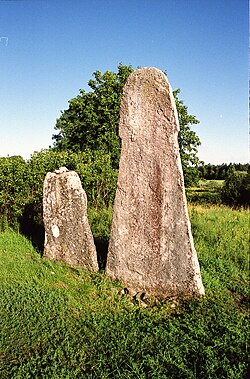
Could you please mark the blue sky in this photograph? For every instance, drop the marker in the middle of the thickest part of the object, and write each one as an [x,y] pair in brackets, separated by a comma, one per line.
[51,48]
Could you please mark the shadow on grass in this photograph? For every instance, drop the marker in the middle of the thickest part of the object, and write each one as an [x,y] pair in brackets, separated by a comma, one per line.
[32,227]
[102,252]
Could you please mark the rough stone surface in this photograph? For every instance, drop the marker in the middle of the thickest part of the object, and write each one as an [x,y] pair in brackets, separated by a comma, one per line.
[67,233]
[151,246]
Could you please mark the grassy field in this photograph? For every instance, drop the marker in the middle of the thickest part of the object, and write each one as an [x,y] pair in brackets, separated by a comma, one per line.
[206,192]
[62,322]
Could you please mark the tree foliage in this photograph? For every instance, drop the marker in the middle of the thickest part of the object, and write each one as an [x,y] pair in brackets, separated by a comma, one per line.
[92,120]
[236,188]
[188,142]
[14,189]
[220,172]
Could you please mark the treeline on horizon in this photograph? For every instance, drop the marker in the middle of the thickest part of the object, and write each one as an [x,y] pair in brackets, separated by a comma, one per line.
[220,171]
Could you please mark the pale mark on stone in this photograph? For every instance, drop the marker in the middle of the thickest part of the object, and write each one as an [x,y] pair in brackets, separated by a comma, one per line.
[55,231]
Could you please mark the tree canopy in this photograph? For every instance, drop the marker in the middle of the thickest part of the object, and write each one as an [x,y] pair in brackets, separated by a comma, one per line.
[92,121]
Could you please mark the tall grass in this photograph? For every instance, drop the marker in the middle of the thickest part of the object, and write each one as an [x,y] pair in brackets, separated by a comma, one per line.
[62,322]
[221,237]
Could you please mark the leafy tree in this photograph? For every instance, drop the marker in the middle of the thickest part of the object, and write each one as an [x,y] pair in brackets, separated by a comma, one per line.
[188,142]
[92,121]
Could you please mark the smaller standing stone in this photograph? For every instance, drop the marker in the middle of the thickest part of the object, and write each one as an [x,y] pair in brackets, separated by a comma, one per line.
[68,236]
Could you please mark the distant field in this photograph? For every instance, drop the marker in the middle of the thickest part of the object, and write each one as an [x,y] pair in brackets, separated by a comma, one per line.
[62,322]
[211,184]
[206,192]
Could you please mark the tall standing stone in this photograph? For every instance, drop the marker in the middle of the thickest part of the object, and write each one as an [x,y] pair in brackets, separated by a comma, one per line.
[67,233]
[151,246]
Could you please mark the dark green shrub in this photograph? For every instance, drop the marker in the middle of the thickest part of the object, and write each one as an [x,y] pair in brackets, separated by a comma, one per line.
[236,189]
[93,167]
[245,190]
[14,190]
[21,186]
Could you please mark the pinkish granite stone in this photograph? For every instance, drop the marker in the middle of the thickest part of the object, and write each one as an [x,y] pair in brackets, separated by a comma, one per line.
[151,246]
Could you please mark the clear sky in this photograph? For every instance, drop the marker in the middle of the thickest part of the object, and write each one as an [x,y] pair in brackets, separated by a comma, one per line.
[49,50]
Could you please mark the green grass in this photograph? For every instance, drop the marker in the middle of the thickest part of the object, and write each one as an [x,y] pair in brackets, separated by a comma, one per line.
[62,322]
